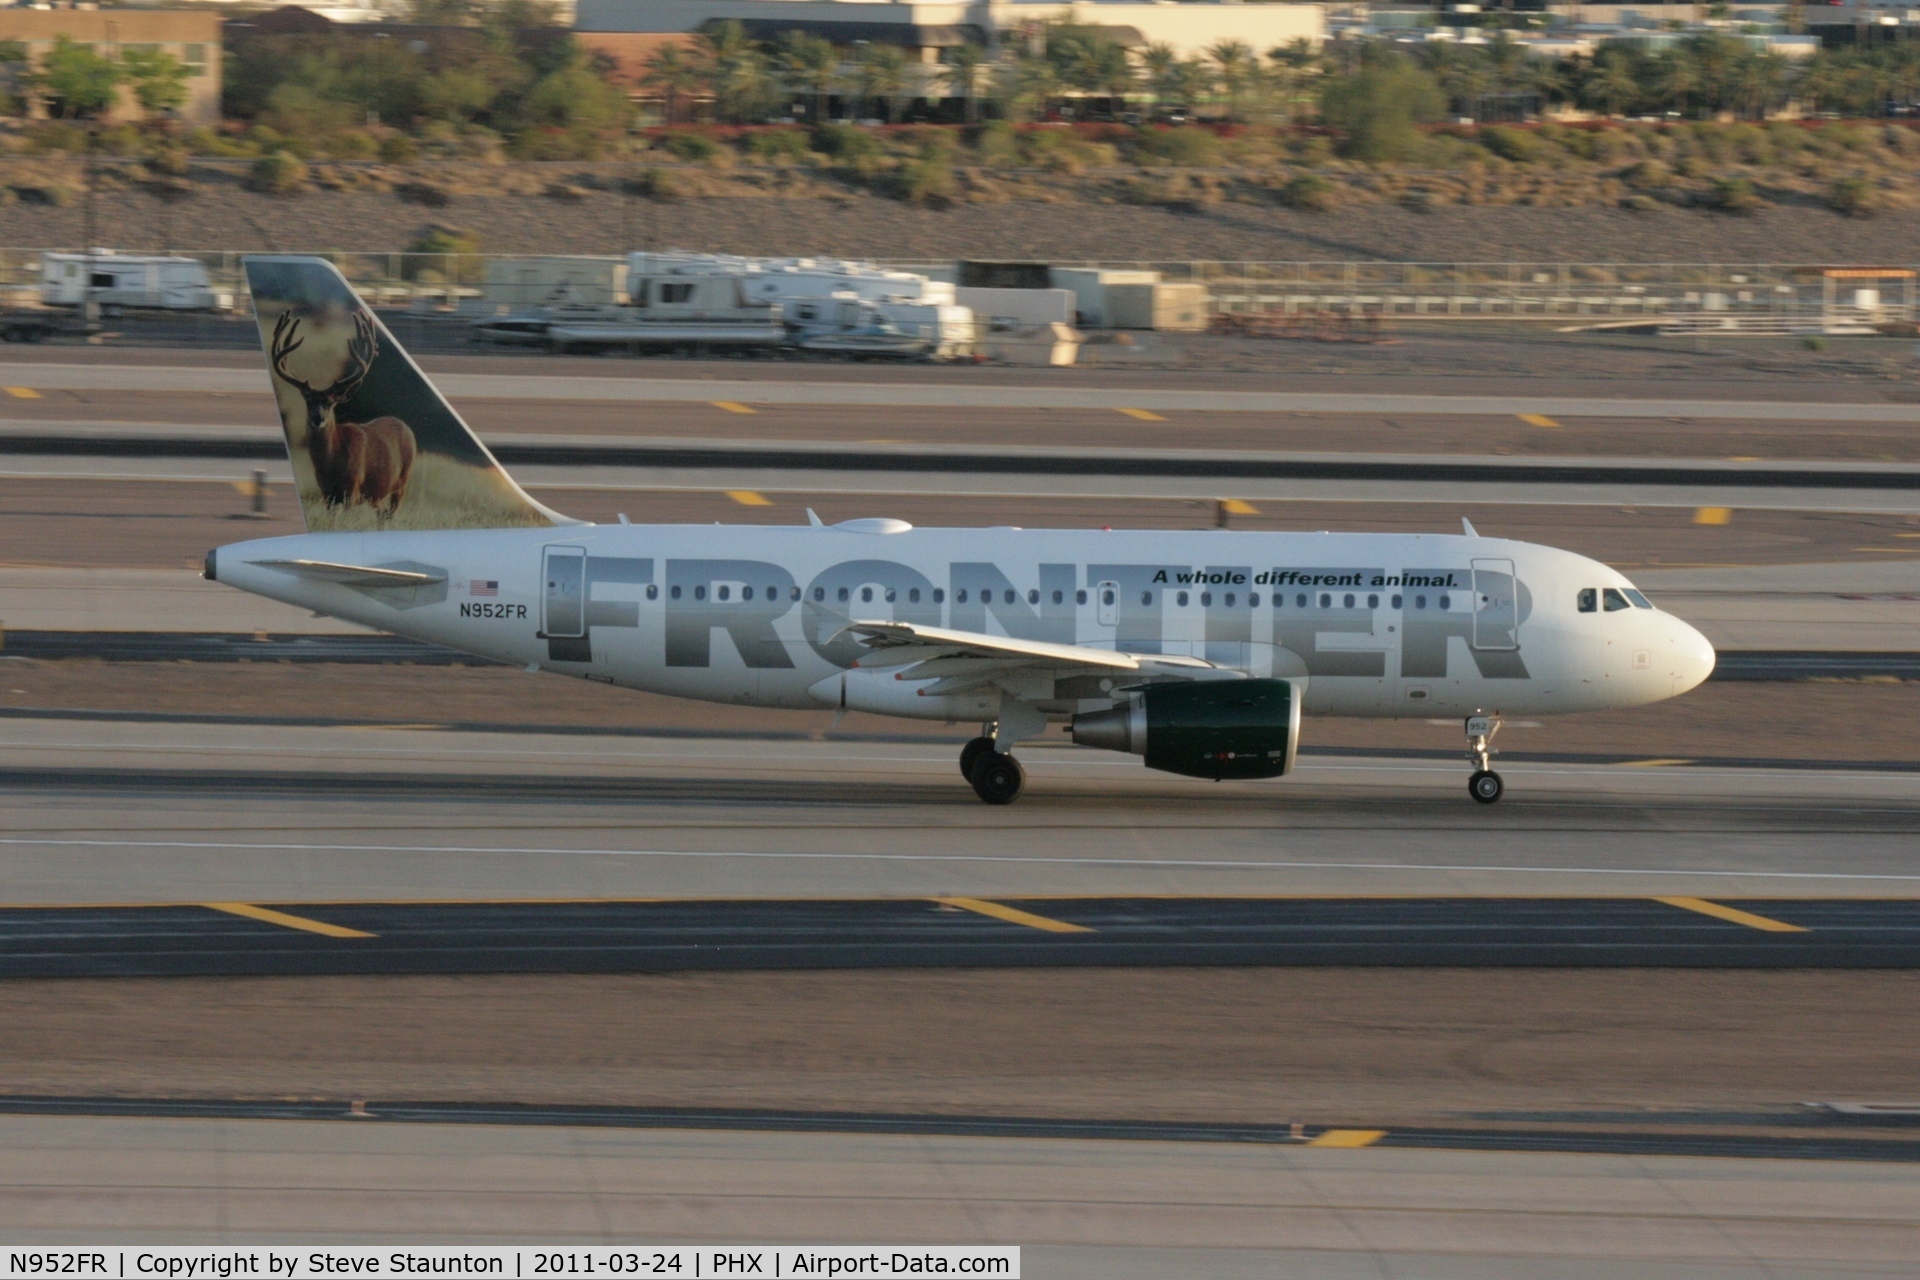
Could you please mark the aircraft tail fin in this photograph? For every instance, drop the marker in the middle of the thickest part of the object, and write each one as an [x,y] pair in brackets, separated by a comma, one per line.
[374,444]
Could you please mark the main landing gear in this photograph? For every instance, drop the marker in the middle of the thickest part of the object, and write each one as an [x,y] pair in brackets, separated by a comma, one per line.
[996,776]
[1485,785]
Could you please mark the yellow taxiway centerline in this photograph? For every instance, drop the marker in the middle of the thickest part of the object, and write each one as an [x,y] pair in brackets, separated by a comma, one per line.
[1145,415]
[733,406]
[1536,419]
[1013,915]
[281,918]
[23,393]
[748,498]
[1347,1138]
[1732,914]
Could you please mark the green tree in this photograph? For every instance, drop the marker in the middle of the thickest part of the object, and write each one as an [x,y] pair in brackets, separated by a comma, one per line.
[963,63]
[1238,71]
[76,81]
[572,113]
[674,72]
[810,65]
[1612,82]
[737,71]
[1293,63]
[158,78]
[1377,109]
[880,71]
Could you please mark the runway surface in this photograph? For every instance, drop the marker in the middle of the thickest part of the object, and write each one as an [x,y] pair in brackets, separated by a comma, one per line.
[1081,1210]
[613,937]
[956,390]
[109,811]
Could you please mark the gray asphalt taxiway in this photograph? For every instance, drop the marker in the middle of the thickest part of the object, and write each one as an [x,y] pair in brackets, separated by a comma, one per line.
[110,811]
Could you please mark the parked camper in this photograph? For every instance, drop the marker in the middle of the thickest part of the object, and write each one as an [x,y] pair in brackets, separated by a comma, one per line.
[719,300]
[129,280]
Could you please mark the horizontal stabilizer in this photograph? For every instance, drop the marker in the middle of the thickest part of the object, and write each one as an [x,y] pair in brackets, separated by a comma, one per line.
[353,575]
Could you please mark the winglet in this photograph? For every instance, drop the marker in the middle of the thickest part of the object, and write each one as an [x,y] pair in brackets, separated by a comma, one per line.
[1466,527]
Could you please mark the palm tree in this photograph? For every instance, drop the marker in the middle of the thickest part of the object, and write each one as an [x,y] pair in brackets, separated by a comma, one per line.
[1677,79]
[1611,82]
[739,72]
[1188,82]
[808,64]
[963,63]
[1238,68]
[1158,61]
[1028,85]
[1291,63]
[880,71]
[673,70]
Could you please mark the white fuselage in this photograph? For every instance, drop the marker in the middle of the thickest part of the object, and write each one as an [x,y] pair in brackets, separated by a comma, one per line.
[1370,624]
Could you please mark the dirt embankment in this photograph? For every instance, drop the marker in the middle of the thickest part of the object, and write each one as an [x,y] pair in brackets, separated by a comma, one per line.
[575,209]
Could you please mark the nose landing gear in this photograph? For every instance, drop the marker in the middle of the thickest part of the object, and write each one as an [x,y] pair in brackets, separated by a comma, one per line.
[1485,785]
[996,776]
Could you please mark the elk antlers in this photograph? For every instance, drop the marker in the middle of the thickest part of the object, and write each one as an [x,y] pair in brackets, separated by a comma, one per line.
[361,350]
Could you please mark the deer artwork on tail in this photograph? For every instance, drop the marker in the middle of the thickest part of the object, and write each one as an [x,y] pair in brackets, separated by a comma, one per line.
[353,462]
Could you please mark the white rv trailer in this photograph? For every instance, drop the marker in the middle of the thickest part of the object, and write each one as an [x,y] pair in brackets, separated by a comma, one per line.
[129,280]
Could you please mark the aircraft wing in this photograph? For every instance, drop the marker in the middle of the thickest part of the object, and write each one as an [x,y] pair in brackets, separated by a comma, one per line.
[899,644]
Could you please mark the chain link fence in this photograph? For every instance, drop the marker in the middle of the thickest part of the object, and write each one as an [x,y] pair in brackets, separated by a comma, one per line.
[1753,297]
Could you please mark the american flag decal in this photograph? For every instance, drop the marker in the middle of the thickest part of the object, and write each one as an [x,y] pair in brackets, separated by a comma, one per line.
[483,587]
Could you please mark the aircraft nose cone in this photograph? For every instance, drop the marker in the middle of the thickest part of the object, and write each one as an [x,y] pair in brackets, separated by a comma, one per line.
[1694,658]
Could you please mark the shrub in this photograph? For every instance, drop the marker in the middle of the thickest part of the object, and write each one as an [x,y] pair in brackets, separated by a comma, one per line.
[565,192]
[997,142]
[849,145]
[1308,191]
[927,181]
[57,194]
[655,184]
[1180,144]
[56,137]
[398,148]
[443,253]
[694,148]
[779,144]
[1648,175]
[1733,195]
[1853,196]
[1377,109]
[431,194]
[1518,145]
[279,174]
[1640,204]
[355,144]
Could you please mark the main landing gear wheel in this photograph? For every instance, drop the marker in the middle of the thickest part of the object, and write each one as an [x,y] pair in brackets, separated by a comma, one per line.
[970,755]
[998,778]
[1485,786]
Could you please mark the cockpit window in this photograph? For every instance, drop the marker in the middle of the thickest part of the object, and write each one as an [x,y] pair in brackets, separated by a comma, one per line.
[1639,601]
[1589,600]
[1614,601]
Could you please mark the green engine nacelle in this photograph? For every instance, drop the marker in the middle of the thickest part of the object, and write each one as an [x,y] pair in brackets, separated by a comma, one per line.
[1204,729]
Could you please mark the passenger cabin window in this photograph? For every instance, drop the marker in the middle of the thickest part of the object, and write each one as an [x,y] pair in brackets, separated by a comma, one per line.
[1588,600]
[1613,600]
[676,293]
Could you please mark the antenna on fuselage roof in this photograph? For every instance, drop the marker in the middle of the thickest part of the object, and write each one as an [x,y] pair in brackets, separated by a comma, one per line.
[1466,527]
[815,520]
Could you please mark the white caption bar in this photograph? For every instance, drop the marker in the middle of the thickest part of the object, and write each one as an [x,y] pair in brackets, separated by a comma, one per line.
[272,1262]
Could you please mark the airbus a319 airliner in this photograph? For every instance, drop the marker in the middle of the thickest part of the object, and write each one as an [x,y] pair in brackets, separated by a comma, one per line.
[1198,651]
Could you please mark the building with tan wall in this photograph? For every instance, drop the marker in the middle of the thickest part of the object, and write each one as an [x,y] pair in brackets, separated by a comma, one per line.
[192,36]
